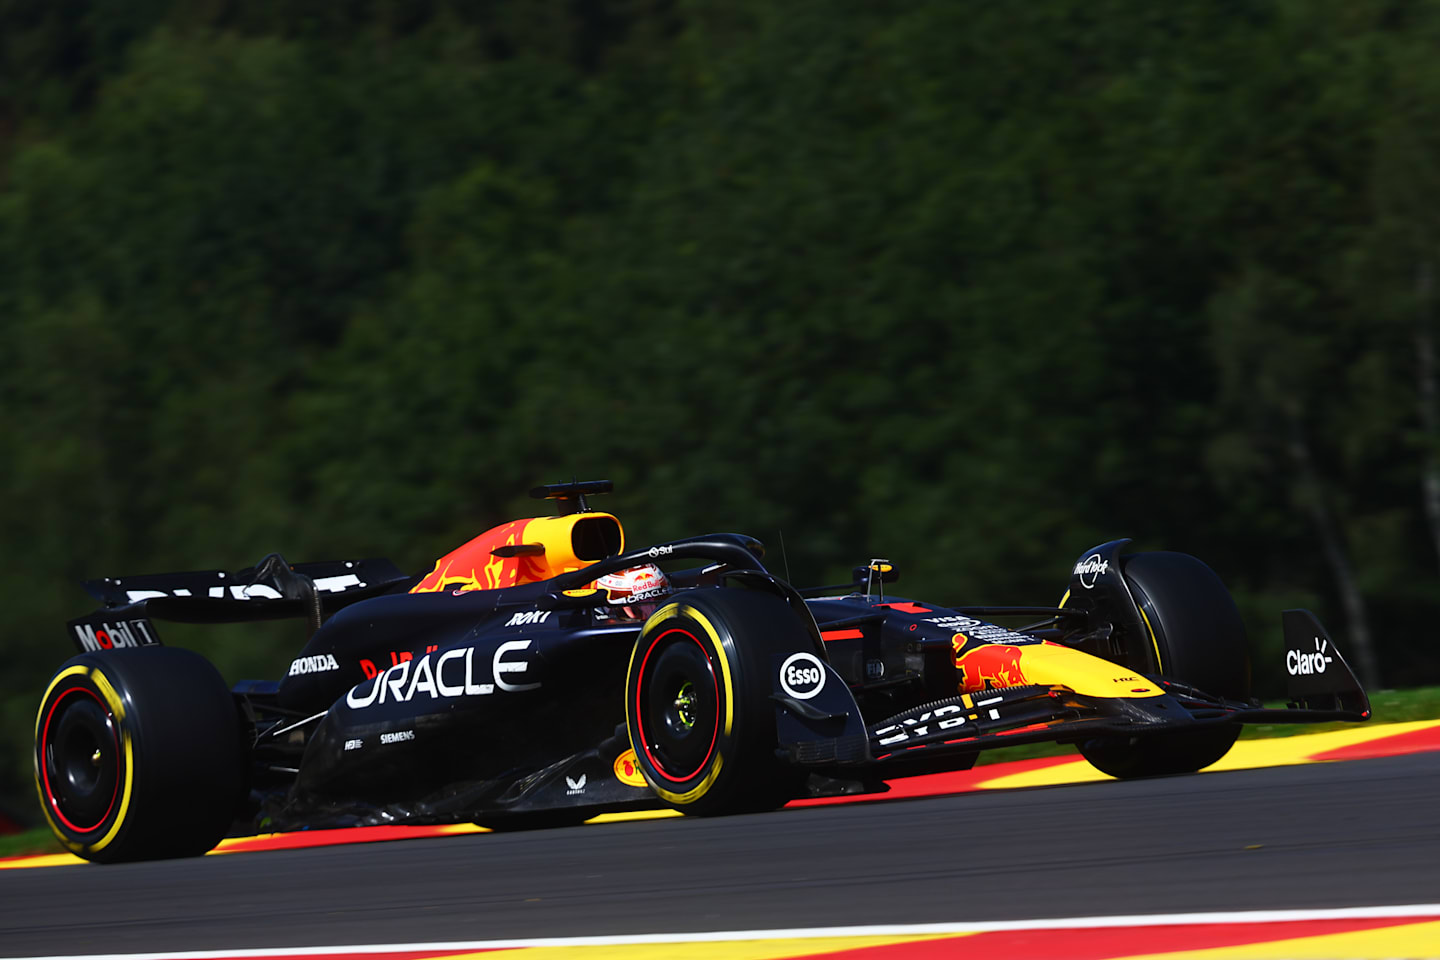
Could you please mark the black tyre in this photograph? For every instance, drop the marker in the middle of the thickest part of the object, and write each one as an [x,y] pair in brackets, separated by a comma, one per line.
[138,755]
[1197,638]
[697,700]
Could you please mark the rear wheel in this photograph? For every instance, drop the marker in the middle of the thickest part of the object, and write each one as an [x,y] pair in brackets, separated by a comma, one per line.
[138,755]
[1198,639]
[697,700]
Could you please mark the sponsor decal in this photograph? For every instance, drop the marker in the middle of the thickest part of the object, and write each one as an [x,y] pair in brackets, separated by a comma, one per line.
[941,718]
[994,714]
[1124,679]
[354,744]
[338,584]
[320,663]
[627,770]
[399,736]
[369,668]
[444,676]
[527,619]
[121,633]
[644,582]
[636,595]
[874,669]
[1307,664]
[251,591]
[664,550]
[802,676]
[980,630]
[574,787]
[989,666]
[1090,569]
[502,665]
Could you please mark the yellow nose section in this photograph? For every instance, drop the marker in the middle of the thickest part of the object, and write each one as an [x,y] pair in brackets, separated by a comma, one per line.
[992,665]
[1057,665]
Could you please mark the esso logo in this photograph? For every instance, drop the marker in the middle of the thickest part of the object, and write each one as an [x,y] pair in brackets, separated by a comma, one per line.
[802,675]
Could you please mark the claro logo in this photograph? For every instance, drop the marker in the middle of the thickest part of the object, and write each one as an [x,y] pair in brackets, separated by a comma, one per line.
[445,676]
[1306,664]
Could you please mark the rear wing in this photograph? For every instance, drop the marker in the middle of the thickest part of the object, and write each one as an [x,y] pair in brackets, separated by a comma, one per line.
[270,590]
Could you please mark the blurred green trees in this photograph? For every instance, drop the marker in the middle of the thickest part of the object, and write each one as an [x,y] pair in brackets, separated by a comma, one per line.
[969,286]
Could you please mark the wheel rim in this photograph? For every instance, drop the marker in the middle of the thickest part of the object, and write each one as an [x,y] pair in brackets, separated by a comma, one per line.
[80,760]
[685,703]
[677,705]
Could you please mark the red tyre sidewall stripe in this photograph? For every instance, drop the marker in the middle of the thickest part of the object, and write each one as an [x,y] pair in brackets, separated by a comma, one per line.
[640,720]
[45,757]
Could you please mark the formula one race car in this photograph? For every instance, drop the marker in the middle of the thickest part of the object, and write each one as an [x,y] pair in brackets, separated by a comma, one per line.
[510,687]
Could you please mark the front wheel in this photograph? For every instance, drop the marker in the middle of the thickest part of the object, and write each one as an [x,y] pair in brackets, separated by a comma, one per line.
[138,755]
[1158,754]
[697,700]
[1198,639]
[534,820]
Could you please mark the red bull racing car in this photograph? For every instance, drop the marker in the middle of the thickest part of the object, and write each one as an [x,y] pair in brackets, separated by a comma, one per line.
[543,673]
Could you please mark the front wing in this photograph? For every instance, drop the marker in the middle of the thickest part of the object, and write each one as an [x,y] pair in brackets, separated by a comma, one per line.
[944,734]
[825,731]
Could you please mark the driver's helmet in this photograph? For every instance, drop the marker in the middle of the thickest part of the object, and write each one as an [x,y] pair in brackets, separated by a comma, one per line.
[635,592]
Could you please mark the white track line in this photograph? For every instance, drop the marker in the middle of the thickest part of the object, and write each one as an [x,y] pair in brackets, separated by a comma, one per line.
[1419,910]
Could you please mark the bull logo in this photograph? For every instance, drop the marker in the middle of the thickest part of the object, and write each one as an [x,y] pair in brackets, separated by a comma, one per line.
[989,666]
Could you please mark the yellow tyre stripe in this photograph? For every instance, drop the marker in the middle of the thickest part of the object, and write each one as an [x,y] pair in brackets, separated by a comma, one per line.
[117,707]
[39,789]
[1159,665]
[724,665]
[699,790]
[1154,642]
[668,612]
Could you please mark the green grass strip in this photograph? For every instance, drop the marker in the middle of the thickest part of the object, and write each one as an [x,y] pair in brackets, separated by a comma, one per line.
[30,842]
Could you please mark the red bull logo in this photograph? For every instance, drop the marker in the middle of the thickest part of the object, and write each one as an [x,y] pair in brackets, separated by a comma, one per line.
[989,667]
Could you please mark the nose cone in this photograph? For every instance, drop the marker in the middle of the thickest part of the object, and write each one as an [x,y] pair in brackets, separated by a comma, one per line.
[994,665]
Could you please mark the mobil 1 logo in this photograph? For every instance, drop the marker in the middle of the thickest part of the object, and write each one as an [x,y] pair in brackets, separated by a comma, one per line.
[93,634]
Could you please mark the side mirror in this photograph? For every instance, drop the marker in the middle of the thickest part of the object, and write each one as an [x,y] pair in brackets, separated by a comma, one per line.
[875,572]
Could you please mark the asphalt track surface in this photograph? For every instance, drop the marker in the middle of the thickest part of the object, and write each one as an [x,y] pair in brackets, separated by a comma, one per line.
[1357,833]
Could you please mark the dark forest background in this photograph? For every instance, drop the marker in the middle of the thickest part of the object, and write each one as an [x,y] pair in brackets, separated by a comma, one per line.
[972,286]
